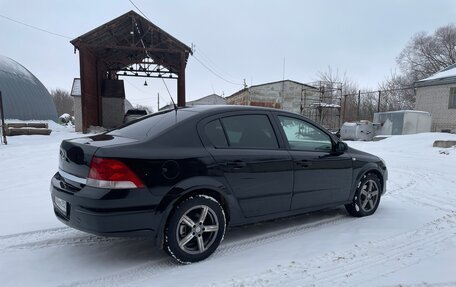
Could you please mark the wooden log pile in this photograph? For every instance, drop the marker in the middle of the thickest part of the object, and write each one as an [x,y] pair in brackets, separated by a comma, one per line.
[17,129]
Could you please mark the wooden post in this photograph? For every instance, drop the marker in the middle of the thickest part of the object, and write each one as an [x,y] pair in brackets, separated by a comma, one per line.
[3,119]
[181,82]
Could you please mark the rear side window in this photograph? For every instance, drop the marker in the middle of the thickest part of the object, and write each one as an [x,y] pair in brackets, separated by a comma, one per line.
[151,125]
[215,134]
[250,131]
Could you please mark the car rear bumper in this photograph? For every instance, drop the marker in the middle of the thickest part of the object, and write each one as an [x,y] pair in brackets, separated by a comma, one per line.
[105,212]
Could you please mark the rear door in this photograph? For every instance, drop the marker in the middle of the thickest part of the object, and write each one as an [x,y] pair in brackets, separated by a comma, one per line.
[247,150]
[320,176]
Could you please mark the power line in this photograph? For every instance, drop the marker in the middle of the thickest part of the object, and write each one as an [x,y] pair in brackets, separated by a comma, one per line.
[34,27]
[137,8]
[215,73]
[166,86]
[204,65]
[213,64]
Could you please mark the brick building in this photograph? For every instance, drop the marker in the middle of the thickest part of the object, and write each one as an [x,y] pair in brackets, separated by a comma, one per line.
[288,95]
[437,95]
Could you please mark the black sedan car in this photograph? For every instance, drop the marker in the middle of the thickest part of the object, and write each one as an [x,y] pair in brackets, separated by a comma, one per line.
[182,176]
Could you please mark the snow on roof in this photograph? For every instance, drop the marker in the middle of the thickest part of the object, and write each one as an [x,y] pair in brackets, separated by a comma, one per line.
[76,88]
[325,105]
[448,72]
[11,68]
[24,96]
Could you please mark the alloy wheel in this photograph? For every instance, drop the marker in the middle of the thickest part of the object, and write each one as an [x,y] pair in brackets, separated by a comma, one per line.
[197,229]
[369,195]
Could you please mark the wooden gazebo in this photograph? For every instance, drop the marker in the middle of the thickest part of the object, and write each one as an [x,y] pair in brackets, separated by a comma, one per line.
[129,45]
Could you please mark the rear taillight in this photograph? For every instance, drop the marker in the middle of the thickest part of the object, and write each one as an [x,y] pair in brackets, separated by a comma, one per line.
[112,173]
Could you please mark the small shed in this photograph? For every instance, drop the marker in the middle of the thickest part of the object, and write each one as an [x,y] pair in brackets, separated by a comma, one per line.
[402,122]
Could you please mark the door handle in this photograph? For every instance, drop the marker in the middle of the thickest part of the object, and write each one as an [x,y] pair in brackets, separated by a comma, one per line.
[303,163]
[236,164]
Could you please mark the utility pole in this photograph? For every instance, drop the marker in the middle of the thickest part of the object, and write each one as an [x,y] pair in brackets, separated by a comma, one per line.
[158,102]
[359,104]
[3,120]
[345,108]
[379,95]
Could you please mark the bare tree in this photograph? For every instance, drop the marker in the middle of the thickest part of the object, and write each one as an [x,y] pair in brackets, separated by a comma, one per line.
[63,102]
[426,54]
[423,56]
[338,85]
[397,93]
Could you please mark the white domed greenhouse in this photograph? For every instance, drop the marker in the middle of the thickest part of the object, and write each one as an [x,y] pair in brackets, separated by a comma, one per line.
[24,96]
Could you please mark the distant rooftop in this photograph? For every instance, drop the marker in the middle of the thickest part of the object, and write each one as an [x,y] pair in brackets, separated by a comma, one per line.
[442,77]
[212,99]
[272,83]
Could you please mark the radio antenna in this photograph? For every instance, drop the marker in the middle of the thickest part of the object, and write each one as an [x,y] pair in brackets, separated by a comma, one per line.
[174,104]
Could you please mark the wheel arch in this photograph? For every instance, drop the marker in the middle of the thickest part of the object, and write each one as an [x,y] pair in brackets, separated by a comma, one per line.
[378,174]
[178,195]
[209,191]
[370,168]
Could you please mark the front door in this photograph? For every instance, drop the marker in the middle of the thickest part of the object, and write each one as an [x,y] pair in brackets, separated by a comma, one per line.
[321,177]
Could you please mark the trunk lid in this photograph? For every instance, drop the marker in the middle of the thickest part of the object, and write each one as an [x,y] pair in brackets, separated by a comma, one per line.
[76,154]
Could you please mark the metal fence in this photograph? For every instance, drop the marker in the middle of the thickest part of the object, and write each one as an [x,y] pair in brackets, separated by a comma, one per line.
[324,106]
[331,106]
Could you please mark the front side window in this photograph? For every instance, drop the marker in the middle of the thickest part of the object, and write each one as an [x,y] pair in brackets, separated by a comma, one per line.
[452,103]
[250,131]
[303,136]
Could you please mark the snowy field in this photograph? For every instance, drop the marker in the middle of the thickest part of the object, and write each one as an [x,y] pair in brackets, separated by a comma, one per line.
[409,241]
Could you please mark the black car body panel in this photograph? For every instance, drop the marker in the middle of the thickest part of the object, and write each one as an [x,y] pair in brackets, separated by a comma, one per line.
[175,158]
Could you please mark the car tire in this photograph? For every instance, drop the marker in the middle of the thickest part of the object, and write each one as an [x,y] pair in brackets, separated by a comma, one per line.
[367,196]
[195,229]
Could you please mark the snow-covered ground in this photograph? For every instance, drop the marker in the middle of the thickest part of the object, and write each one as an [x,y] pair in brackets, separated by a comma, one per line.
[409,241]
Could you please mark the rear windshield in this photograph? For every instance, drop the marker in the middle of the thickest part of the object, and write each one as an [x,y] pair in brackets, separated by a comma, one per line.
[152,125]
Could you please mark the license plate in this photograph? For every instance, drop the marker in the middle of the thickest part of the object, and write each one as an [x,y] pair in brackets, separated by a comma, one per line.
[61,204]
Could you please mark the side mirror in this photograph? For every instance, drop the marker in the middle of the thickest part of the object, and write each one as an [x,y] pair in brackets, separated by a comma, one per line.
[340,147]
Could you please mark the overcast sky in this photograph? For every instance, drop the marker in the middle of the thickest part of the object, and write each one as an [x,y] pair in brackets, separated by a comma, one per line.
[237,39]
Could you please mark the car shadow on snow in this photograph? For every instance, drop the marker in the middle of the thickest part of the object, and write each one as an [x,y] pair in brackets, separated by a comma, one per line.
[142,250]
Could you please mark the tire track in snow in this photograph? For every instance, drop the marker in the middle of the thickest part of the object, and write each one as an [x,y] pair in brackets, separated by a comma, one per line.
[54,237]
[237,246]
[425,284]
[149,270]
[425,195]
[357,265]
[409,184]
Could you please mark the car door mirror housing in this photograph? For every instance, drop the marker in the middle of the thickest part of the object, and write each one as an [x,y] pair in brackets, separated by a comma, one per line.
[340,147]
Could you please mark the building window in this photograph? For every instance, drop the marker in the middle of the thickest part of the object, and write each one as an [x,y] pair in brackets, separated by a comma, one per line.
[452,103]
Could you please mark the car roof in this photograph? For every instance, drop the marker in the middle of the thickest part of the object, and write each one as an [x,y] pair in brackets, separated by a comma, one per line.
[212,109]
